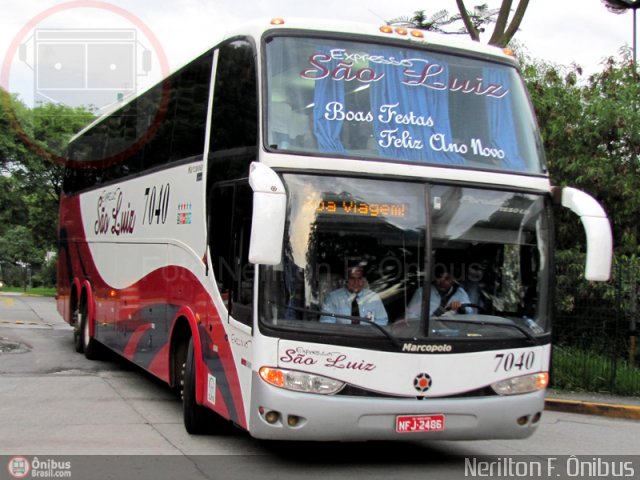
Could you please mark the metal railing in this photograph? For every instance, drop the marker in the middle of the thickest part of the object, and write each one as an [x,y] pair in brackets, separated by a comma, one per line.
[594,335]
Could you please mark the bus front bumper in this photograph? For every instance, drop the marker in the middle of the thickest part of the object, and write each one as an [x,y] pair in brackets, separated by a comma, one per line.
[304,416]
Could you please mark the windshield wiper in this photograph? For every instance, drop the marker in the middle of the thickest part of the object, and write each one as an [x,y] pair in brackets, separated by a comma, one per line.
[530,337]
[320,313]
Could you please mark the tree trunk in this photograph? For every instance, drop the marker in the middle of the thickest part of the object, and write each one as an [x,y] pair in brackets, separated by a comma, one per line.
[501,22]
[468,24]
[504,30]
[514,25]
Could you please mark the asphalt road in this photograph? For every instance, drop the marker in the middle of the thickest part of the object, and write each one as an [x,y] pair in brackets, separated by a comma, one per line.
[112,419]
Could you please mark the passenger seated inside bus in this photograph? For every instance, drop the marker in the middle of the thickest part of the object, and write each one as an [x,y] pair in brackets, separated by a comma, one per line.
[476,286]
[446,295]
[355,300]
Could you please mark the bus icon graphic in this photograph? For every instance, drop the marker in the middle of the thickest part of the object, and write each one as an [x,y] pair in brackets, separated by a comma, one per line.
[85,67]
[19,467]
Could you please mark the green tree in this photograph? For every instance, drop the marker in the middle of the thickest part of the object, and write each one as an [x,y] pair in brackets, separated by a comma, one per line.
[17,248]
[420,20]
[11,149]
[480,16]
[474,21]
[12,208]
[30,181]
[592,140]
[50,128]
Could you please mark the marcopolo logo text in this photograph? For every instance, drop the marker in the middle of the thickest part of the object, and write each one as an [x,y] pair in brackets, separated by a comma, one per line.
[412,347]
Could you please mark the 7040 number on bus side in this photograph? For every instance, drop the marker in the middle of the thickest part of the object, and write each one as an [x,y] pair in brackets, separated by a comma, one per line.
[156,205]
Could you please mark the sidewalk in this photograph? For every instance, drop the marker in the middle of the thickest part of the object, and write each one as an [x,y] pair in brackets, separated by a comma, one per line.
[593,404]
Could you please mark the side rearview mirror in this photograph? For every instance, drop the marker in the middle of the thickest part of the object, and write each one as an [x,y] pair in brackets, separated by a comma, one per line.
[269,211]
[596,226]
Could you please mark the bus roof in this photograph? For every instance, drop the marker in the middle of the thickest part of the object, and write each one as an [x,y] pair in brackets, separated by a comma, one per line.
[257,28]
[416,36]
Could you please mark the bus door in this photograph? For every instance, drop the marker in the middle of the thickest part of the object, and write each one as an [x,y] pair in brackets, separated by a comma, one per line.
[230,210]
[229,233]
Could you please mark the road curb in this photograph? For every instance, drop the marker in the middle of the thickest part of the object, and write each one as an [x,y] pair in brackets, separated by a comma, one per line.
[593,408]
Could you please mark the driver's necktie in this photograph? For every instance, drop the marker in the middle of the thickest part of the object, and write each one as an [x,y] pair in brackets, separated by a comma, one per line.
[355,310]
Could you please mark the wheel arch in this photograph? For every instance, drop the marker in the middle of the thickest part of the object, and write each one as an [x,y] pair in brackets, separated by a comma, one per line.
[185,327]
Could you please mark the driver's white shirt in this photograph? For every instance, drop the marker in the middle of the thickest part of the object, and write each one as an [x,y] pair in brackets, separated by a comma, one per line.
[415,305]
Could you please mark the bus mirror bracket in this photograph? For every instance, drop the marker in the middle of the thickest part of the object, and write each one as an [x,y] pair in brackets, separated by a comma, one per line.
[597,229]
[269,211]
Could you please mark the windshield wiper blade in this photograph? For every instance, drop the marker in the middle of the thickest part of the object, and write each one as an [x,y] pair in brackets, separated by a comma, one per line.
[530,337]
[348,317]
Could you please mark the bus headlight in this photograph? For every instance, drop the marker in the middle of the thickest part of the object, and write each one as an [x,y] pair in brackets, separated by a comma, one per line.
[300,381]
[524,384]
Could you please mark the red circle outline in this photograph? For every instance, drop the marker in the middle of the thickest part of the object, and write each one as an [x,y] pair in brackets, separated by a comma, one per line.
[30,25]
[27,470]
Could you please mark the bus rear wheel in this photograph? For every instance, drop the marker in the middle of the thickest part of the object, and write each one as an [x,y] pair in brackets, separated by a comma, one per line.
[195,416]
[89,345]
[77,330]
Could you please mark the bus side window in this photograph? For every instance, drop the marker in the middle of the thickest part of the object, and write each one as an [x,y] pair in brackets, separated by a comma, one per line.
[229,232]
[234,140]
[234,118]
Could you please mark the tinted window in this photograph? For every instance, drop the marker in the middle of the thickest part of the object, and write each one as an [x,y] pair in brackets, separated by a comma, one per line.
[165,124]
[231,208]
[398,103]
[234,128]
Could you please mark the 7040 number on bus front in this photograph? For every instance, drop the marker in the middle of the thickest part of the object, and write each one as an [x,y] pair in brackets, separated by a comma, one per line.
[518,361]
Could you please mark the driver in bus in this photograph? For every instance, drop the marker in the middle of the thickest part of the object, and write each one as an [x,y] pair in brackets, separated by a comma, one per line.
[446,295]
[356,300]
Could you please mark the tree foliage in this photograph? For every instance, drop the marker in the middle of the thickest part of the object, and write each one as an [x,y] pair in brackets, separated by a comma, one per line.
[29,182]
[11,149]
[420,20]
[592,140]
[474,22]
[504,29]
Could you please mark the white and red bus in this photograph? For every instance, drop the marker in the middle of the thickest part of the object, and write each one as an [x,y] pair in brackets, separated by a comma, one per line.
[205,223]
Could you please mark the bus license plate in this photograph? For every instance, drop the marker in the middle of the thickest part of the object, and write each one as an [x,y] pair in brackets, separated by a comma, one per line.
[419,423]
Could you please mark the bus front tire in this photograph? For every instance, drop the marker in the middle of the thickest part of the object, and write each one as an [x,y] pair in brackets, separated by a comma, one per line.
[195,416]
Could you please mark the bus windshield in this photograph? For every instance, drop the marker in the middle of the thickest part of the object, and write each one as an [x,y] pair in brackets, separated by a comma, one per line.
[381,102]
[396,239]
